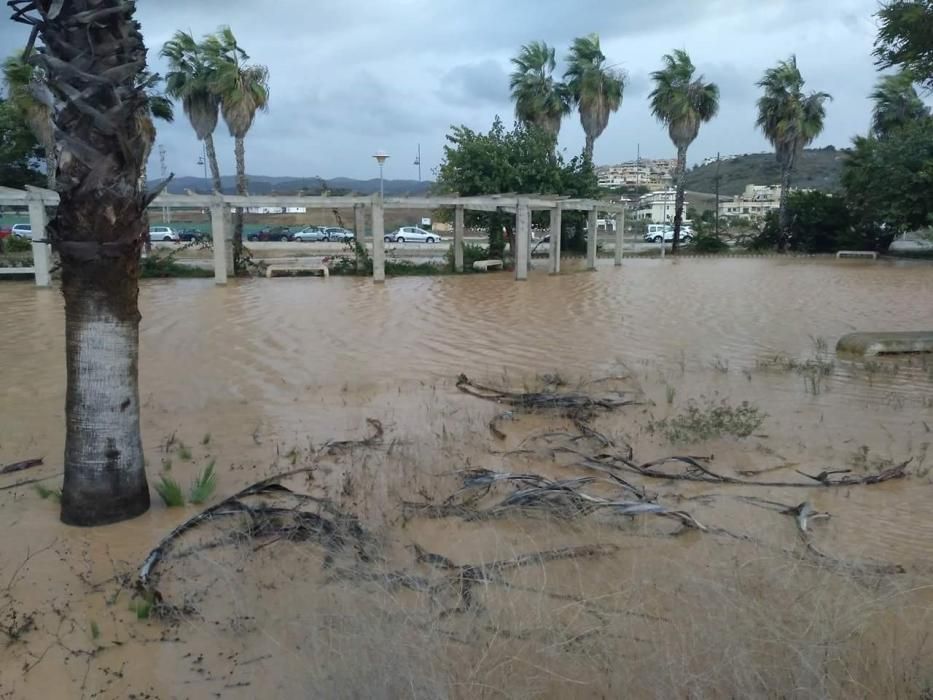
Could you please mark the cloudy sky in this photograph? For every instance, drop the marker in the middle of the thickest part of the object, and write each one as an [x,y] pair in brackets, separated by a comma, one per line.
[349,78]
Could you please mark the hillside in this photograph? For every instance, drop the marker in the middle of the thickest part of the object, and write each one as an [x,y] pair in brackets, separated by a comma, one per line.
[263,185]
[818,169]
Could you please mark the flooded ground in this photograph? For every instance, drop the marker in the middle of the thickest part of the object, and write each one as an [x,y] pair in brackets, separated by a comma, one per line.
[457,595]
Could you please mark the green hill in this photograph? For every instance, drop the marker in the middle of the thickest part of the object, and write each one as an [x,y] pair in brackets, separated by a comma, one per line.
[817,170]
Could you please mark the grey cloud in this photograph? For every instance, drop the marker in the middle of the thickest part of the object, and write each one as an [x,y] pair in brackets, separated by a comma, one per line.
[483,82]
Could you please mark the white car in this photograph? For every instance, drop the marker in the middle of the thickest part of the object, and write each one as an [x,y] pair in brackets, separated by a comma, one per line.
[162,233]
[658,233]
[412,233]
[22,231]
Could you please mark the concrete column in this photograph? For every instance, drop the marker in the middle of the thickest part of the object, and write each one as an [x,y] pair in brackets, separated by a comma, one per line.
[359,223]
[554,250]
[220,215]
[40,251]
[458,239]
[591,239]
[379,246]
[620,234]
[522,241]
[228,240]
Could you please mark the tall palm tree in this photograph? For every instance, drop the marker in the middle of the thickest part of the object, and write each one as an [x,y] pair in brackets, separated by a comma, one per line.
[189,80]
[243,90]
[540,100]
[93,77]
[683,103]
[896,103]
[594,89]
[24,84]
[791,121]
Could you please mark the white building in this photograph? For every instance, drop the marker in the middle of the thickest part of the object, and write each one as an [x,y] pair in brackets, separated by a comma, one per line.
[653,174]
[657,206]
[754,203]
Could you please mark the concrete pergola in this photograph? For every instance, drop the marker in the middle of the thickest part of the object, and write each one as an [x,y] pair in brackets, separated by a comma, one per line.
[37,199]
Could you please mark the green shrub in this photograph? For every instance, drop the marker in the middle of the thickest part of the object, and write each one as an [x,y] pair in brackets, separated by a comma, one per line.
[204,485]
[709,421]
[156,266]
[15,244]
[708,243]
[170,492]
[471,253]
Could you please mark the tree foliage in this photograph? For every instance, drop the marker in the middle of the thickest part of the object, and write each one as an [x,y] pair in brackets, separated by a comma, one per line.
[540,100]
[519,161]
[20,152]
[896,104]
[889,182]
[595,89]
[905,38]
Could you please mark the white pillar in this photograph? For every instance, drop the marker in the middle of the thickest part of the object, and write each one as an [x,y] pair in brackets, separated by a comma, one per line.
[458,238]
[229,225]
[219,219]
[379,246]
[522,240]
[591,239]
[620,235]
[554,250]
[40,250]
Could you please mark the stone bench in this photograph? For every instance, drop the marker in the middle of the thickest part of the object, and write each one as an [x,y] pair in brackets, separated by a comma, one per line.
[487,265]
[871,344]
[297,271]
[857,254]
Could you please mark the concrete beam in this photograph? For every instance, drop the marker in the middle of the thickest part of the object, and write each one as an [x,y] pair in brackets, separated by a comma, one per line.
[554,250]
[379,246]
[458,238]
[220,213]
[591,232]
[41,251]
[522,241]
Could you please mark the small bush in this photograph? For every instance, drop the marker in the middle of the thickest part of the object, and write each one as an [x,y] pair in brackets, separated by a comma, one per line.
[170,492]
[203,487]
[156,266]
[712,420]
[708,243]
[471,254]
[15,244]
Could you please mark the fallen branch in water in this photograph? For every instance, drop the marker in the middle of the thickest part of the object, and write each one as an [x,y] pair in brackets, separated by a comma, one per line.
[29,482]
[332,447]
[21,466]
[542,400]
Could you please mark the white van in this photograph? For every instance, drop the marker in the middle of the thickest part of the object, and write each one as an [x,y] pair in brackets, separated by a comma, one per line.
[665,232]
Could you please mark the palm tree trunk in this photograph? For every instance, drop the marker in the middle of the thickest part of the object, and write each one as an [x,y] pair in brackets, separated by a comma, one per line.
[144,187]
[212,162]
[51,166]
[784,213]
[240,149]
[588,148]
[98,230]
[679,201]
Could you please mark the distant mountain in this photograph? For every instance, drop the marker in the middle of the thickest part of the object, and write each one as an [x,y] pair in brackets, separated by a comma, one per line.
[819,169]
[263,185]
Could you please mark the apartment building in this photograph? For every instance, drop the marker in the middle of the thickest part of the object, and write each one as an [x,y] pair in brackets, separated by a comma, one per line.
[754,203]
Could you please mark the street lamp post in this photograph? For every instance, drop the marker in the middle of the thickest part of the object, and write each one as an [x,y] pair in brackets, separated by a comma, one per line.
[381,158]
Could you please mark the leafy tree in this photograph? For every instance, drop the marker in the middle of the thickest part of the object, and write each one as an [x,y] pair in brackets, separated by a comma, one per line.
[98,231]
[682,103]
[896,103]
[518,161]
[819,223]
[20,152]
[791,121]
[540,100]
[24,82]
[889,182]
[905,38]
[189,81]
[594,89]
[243,90]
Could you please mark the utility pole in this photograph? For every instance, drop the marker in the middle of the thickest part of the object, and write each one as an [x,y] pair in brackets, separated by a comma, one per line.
[418,162]
[717,195]
[166,214]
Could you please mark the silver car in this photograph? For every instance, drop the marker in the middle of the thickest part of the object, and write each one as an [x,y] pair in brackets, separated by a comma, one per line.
[310,234]
[22,230]
[412,234]
[336,233]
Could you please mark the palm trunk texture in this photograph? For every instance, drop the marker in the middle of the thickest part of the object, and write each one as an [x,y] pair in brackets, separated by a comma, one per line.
[784,214]
[679,201]
[93,54]
[240,149]
[212,162]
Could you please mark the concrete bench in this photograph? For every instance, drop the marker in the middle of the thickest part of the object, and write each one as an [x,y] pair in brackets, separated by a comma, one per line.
[857,254]
[871,344]
[297,271]
[487,265]
[11,271]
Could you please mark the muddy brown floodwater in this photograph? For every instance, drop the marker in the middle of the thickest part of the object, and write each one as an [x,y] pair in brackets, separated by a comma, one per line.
[461,595]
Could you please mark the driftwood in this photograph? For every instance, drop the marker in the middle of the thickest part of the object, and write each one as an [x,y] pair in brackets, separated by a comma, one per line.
[543,400]
[333,447]
[21,466]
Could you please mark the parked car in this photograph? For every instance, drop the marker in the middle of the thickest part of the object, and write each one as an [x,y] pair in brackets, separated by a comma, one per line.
[309,234]
[22,230]
[188,235]
[275,233]
[161,233]
[660,232]
[336,233]
[412,234]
